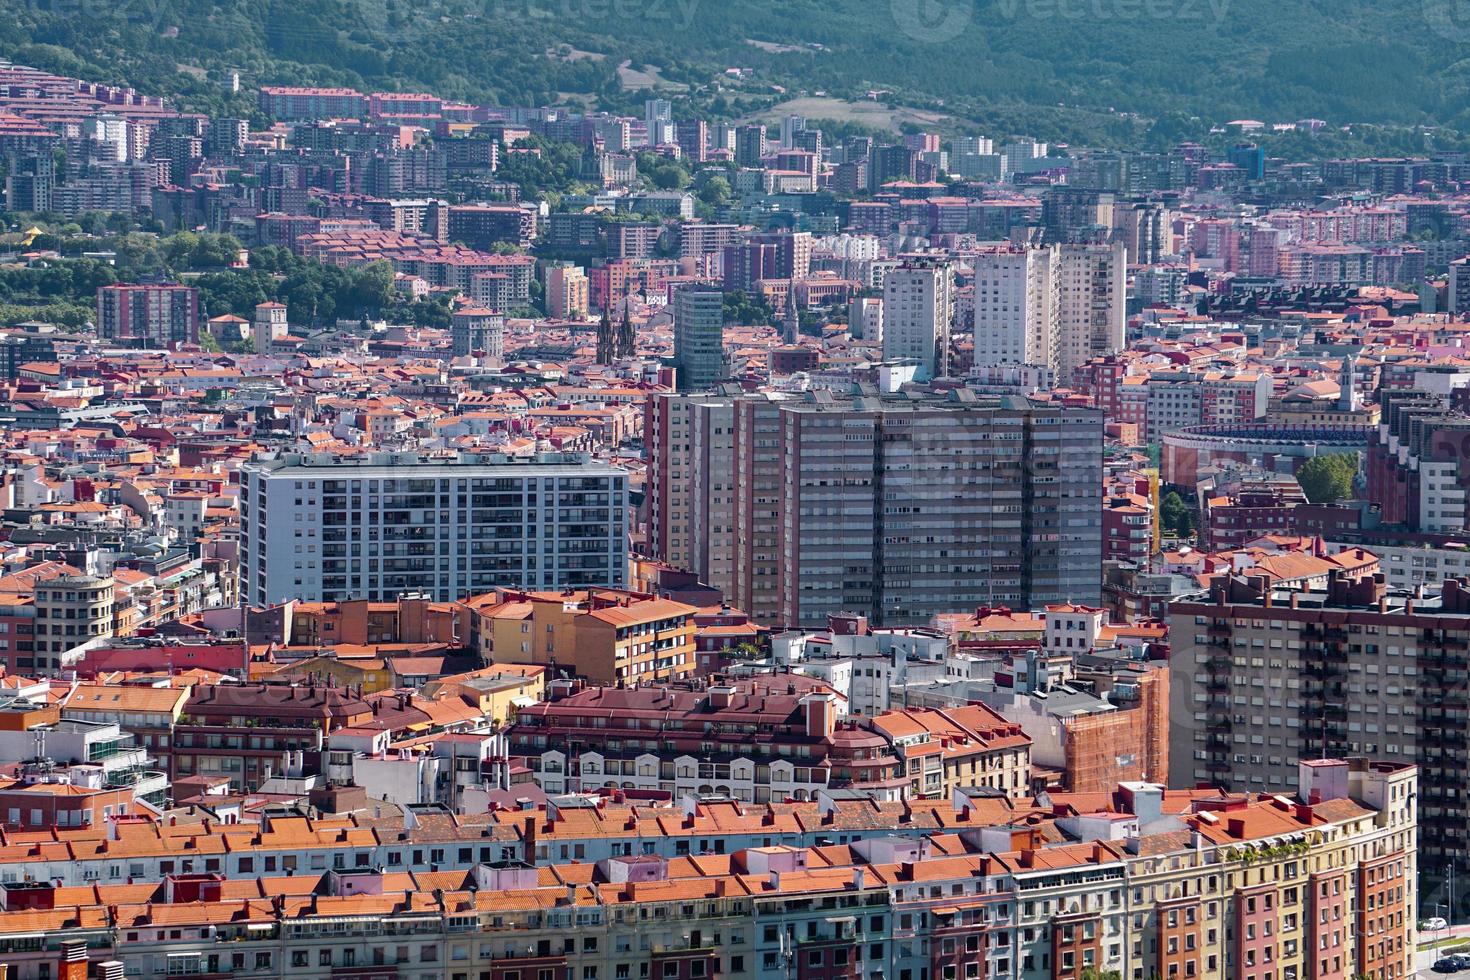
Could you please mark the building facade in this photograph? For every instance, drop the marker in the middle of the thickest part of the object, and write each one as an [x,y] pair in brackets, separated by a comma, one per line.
[149,315]
[699,336]
[1264,678]
[918,312]
[323,528]
[894,508]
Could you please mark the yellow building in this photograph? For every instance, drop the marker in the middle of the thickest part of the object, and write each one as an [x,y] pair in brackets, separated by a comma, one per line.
[499,690]
[566,292]
[372,674]
[605,635]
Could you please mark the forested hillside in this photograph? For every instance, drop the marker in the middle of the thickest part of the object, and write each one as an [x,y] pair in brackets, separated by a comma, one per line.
[1068,66]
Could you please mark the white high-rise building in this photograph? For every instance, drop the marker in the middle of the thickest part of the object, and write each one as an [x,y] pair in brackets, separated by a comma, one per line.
[962,145]
[1092,318]
[918,308]
[658,118]
[865,319]
[1016,306]
[112,132]
[790,126]
[1022,156]
[323,528]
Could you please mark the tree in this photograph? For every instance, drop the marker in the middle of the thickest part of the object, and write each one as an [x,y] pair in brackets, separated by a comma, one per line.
[1174,514]
[179,247]
[371,289]
[1328,479]
[715,192]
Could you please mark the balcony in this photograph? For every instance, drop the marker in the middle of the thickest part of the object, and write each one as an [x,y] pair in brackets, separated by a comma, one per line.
[102,750]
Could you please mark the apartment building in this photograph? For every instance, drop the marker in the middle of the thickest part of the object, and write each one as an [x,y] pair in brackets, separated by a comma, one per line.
[903,508]
[149,315]
[1258,508]
[758,740]
[699,336]
[1265,677]
[1176,884]
[483,226]
[326,528]
[246,732]
[566,292]
[1175,400]
[1015,306]
[918,313]
[293,103]
[947,751]
[691,439]
[1093,287]
[604,635]
[477,332]
[1418,462]
[897,508]
[72,611]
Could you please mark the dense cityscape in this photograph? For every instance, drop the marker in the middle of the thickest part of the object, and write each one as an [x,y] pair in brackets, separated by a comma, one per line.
[456,541]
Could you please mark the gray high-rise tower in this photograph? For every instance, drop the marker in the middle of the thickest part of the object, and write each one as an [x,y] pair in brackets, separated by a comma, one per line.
[699,336]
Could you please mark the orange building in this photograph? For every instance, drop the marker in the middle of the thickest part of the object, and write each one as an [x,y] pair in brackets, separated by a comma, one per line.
[608,636]
[1131,744]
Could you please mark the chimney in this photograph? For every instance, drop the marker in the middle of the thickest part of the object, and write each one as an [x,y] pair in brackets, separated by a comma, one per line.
[529,839]
[820,714]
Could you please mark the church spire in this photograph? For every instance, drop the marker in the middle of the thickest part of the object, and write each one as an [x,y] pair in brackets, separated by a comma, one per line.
[627,339]
[605,339]
[791,319]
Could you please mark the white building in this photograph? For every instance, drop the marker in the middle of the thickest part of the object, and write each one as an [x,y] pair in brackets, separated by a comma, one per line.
[865,667]
[1410,566]
[1093,284]
[865,319]
[322,528]
[1016,305]
[918,309]
[112,132]
[268,326]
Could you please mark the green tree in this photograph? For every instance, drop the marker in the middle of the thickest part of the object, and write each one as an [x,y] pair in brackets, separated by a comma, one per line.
[1174,514]
[371,288]
[178,248]
[1328,479]
[214,252]
[715,192]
